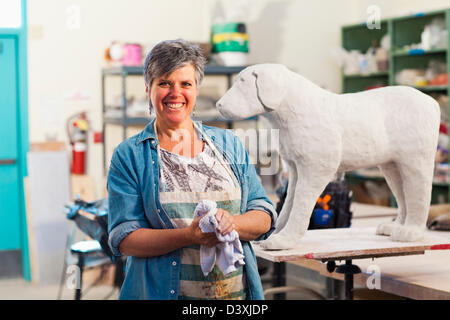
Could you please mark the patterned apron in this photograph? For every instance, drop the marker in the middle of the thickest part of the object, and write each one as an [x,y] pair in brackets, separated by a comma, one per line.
[184,182]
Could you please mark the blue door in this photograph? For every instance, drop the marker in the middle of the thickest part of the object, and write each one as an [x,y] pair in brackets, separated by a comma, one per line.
[10,210]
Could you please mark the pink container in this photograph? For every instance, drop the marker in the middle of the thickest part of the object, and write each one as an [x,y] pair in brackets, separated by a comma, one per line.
[132,55]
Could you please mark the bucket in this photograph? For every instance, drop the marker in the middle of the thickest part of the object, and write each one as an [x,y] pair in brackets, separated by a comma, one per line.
[132,55]
[230,43]
[232,59]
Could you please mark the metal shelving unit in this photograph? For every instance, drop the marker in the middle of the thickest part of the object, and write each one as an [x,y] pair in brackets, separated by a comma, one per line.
[125,121]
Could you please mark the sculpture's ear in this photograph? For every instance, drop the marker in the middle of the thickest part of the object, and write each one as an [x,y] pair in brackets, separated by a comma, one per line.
[270,87]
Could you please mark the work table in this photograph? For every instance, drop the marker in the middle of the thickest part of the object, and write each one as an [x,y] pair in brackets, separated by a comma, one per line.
[420,272]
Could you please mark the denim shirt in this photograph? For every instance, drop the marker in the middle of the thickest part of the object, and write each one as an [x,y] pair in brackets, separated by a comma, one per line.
[133,184]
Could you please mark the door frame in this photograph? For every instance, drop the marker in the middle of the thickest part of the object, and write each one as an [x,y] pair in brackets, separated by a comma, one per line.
[21,36]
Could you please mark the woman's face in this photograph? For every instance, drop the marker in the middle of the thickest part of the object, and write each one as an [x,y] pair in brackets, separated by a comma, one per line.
[173,96]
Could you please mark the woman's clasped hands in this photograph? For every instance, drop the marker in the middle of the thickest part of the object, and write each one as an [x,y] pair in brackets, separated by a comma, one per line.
[209,239]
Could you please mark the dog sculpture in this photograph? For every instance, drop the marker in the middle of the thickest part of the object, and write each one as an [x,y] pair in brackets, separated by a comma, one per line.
[322,133]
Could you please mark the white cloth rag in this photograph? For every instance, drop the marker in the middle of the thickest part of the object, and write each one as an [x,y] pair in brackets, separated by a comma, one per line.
[228,254]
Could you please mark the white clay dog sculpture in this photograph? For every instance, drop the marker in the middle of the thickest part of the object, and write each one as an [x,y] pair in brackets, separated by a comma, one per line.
[322,133]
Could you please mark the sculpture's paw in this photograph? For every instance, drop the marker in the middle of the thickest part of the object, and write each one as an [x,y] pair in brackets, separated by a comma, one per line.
[386,228]
[407,233]
[279,242]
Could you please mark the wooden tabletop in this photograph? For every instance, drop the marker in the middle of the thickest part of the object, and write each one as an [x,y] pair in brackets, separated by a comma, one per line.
[351,243]
[423,275]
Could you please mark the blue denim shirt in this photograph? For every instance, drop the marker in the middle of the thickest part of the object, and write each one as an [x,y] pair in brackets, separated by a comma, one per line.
[134,203]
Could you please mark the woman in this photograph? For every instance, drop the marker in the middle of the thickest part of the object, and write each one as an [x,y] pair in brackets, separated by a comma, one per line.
[156,179]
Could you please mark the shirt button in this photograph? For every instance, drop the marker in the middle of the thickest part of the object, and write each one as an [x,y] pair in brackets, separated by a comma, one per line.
[172,291]
[174,263]
[157,210]
[153,162]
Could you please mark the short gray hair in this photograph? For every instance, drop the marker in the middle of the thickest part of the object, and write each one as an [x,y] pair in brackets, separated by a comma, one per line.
[169,55]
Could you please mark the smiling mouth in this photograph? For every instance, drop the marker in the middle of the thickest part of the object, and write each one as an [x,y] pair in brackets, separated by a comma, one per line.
[174,106]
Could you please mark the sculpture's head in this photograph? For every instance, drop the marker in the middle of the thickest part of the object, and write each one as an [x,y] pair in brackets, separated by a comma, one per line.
[257,90]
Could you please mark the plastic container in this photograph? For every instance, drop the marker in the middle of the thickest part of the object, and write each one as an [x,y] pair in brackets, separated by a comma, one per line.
[231,59]
[132,55]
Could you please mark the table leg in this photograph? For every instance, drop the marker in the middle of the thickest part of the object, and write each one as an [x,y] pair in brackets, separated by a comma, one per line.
[348,269]
[348,281]
[279,279]
[80,270]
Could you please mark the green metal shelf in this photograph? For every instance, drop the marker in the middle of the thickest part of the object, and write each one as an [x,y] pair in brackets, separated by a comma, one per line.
[361,25]
[400,30]
[368,75]
[415,52]
[418,15]
[432,88]
[356,175]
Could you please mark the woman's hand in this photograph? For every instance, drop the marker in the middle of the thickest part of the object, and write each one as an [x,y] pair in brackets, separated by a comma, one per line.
[226,221]
[197,236]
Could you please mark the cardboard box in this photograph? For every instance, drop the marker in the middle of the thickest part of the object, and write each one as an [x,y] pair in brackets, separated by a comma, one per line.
[47,146]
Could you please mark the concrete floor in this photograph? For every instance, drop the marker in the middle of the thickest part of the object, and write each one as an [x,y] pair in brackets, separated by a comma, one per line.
[19,289]
[97,285]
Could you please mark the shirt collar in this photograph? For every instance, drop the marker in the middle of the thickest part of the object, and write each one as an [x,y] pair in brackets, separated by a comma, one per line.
[147,133]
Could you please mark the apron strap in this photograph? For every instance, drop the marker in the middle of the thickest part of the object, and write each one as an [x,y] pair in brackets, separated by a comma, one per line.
[219,156]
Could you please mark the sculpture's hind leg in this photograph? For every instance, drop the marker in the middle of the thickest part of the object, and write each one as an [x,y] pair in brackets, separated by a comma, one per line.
[393,178]
[417,185]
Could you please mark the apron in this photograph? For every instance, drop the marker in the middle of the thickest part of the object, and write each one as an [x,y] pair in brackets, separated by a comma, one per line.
[184,182]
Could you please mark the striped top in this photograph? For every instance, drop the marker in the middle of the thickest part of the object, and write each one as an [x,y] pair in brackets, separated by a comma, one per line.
[184,182]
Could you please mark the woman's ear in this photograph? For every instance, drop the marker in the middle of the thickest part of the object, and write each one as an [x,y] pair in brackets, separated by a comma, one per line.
[147,91]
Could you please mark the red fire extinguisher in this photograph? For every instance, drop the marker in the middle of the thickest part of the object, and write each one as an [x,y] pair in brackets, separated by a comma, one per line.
[77,129]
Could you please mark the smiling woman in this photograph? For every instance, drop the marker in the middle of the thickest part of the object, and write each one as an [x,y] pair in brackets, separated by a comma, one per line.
[173,98]
[158,177]
[173,71]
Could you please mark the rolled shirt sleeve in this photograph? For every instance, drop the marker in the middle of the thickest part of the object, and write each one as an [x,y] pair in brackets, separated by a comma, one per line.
[265,206]
[126,212]
[118,233]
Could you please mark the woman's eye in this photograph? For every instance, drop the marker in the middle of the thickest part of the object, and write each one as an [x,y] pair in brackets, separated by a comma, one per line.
[187,84]
[164,83]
